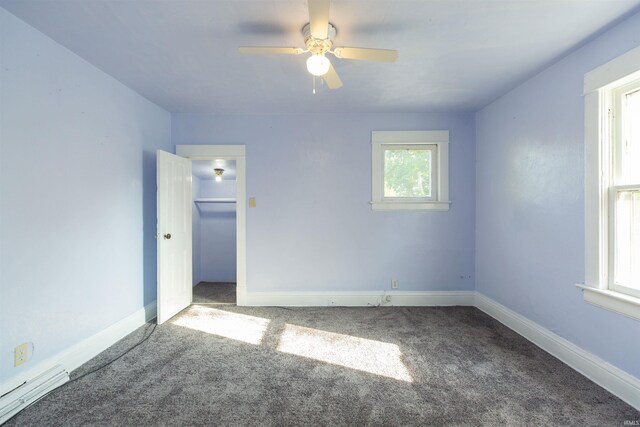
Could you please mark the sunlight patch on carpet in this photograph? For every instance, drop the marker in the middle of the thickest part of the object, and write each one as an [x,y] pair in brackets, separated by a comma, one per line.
[370,356]
[240,327]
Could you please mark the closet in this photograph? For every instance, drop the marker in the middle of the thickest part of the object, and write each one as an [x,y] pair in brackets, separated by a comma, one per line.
[214,230]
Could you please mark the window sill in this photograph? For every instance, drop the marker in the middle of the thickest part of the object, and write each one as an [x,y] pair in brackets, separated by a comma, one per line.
[614,301]
[410,206]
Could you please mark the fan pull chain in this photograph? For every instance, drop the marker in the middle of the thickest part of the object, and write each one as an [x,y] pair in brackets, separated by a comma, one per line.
[314,85]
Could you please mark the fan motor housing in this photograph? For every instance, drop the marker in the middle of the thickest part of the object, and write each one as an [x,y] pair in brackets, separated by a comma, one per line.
[318,46]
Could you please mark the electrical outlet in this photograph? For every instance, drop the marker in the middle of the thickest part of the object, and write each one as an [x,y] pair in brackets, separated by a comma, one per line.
[21,354]
[394,284]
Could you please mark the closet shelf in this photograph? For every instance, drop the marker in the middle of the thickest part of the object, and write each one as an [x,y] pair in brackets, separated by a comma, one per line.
[215,200]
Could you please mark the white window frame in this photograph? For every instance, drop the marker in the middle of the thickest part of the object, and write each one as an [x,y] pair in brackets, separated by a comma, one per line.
[600,86]
[438,142]
[617,101]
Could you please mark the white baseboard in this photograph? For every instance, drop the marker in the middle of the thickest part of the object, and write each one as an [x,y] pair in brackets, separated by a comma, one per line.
[76,355]
[84,351]
[150,311]
[607,376]
[361,299]
[32,390]
[615,380]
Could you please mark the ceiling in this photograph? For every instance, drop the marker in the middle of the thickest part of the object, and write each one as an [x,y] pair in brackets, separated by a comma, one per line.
[203,169]
[454,55]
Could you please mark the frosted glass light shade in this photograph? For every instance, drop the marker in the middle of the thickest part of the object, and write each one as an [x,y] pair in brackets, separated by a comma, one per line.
[318,65]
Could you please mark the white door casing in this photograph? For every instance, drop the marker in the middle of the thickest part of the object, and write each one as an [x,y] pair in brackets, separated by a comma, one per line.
[173,235]
[237,153]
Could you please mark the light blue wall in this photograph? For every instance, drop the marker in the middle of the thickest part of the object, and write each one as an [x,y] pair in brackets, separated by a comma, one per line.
[77,213]
[77,206]
[218,232]
[530,203]
[313,228]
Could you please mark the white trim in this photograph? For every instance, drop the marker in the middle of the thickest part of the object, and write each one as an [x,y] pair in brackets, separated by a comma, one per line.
[607,376]
[361,299]
[410,206]
[52,372]
[443,174]
[150,312]
[599,87]
[23,396]
[204,152]
[410,136]
[80,353]
[612,300]
[241,230]
[381,139]
[595,195]
[611,378]
[237,153]
[619,70]
[77,355]
[630,187]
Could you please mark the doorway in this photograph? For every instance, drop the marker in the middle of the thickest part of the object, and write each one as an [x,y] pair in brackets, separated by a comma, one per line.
[219,222]
[214,231]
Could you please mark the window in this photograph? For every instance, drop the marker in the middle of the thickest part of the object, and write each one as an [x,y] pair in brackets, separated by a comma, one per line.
[410,170]
[624,197]
[612,185]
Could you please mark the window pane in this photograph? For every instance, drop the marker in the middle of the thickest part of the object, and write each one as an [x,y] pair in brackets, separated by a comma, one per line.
[631,139]
[627,239]
[407,173]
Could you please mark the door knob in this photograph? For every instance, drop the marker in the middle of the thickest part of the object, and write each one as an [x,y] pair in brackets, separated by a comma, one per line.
[167,236]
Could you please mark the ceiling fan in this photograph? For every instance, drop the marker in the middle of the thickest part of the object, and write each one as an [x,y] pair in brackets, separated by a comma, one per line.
[318,35]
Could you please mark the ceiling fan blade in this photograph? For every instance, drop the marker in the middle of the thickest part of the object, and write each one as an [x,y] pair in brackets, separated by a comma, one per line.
[274,50]
[332,79]
[319,18]
[364,54]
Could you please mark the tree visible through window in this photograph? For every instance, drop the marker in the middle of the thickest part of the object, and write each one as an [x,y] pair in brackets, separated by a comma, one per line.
[407,172]
[410,170]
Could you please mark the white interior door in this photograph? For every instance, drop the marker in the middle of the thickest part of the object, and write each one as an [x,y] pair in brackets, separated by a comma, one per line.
[174,234]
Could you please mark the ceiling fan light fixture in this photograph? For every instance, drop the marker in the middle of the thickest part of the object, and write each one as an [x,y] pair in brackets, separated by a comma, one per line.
[318,36]
[318,64]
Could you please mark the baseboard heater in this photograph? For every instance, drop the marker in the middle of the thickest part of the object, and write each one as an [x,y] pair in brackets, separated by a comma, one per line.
[29,392]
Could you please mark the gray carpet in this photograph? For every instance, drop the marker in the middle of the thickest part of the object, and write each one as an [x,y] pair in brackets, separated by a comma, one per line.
[229,365]
[214,293]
